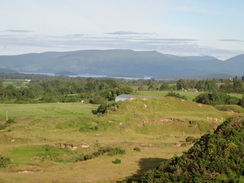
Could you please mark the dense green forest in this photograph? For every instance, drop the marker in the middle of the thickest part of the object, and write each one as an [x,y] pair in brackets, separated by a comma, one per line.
[102,90]
[62,89]
[217,157]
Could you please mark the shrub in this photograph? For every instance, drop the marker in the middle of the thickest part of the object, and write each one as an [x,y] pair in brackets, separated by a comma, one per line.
[176,95]
[105,107]
[117,161]
[111,151]
[97,100]
[137,149]
[216,98]
[4,162]
[142,88]
[190,139]
[10,121]
[89,156]
[164,86]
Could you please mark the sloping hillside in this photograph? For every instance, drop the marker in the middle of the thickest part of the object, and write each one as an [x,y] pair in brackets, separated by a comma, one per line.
[213,158]
[238,60]
[119,62]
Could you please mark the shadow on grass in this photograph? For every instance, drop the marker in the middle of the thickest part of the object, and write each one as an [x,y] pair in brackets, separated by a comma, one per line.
[145,164]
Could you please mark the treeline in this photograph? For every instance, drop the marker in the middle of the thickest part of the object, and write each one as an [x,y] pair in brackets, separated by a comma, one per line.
[218,98]
[100,90]
[213,158]
[209,85]
[89,90]
[227,86]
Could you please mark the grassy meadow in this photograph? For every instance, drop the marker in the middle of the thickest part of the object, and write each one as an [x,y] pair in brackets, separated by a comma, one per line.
[46,140]
[188,94]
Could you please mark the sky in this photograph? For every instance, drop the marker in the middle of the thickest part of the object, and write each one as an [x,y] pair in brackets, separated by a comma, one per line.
[179,27]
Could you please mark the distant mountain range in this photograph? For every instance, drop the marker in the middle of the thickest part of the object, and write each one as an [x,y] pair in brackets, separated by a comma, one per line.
[121,63]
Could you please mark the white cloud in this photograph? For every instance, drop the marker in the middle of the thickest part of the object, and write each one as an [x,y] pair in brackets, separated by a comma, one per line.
[180,27]
[25,43]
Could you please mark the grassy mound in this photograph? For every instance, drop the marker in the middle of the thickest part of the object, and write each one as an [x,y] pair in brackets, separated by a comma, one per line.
[166,106]
[164,115]
[214,158]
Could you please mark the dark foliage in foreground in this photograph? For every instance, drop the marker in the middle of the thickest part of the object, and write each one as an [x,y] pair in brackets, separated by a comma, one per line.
[94,91]
[217,98]
[111,151]
[214,158]
[176,95]
[4,162]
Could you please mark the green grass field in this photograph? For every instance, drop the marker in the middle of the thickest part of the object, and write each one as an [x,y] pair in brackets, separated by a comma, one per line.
[34,111]
[158,126]
[189,95]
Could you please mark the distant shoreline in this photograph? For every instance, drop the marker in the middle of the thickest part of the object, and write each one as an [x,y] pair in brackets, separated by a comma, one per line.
[90,76]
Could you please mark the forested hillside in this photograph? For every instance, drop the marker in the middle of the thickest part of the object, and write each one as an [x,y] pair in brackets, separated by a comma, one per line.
[121,62]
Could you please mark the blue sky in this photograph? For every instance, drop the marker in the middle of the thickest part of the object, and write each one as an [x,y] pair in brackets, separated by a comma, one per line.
[180,27]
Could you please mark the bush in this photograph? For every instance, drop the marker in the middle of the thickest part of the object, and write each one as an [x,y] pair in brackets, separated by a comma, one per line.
[137,149]
[117,161]
[111,151]
[67,98]
[176,95]
[190,139]
[97,100]
[142,88]
[216,98]
[102,108]
[10,121]
[4,162]
[105,107]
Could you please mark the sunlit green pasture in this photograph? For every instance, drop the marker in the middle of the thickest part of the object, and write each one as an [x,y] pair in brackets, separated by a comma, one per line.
[158,126]
[189,95]
[36,111]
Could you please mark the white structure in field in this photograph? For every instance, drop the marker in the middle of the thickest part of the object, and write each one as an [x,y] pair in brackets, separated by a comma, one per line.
[125,97]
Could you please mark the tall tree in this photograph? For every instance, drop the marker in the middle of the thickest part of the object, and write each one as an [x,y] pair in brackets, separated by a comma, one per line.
[238,85]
